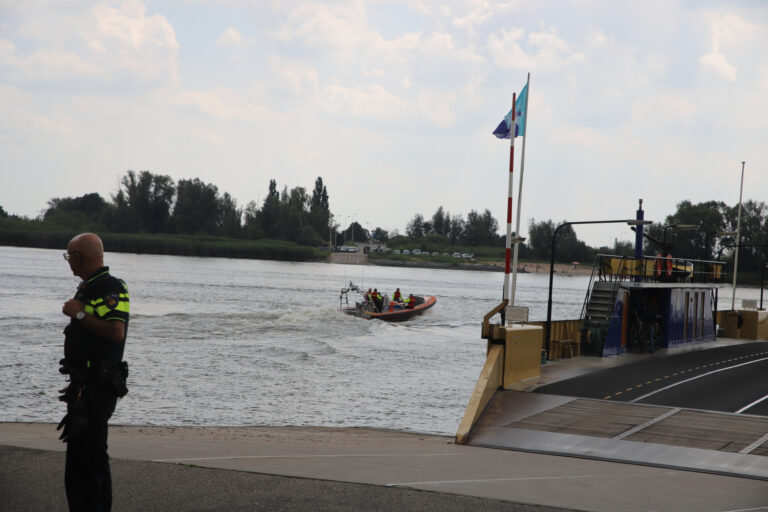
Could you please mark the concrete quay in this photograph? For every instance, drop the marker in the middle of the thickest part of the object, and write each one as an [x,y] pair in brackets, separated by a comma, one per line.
[310,469]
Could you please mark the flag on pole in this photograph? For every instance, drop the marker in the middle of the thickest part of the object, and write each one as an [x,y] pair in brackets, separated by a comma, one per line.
[503,131]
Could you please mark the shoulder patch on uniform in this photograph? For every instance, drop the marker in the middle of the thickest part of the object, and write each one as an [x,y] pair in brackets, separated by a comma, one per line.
[112,300]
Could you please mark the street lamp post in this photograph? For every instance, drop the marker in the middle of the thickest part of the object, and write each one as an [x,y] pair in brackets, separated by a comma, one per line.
[762,283]
[668,248]
[629,222]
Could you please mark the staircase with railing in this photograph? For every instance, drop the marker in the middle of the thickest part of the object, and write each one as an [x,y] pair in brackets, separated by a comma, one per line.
[609,272]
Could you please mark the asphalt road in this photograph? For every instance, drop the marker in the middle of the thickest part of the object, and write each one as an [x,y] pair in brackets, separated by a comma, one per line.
[728,379]
[33,480]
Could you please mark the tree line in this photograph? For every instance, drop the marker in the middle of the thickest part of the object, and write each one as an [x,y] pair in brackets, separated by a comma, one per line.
[156,204]
[701,231]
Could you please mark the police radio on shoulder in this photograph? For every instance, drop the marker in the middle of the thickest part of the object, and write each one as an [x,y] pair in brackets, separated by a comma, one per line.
[80,315]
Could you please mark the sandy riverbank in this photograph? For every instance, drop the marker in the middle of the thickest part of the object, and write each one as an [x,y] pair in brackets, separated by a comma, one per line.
[491,266]
[543,268]
[528,268]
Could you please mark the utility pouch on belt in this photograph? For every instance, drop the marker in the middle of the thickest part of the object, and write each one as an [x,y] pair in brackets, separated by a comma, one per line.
[75,422]
[113,377]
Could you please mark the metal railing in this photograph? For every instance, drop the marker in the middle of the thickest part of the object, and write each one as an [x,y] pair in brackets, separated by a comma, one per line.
[658,269]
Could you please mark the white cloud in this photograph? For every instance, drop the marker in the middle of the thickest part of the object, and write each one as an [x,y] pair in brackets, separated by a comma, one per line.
[222,104]
[717,63]
[664,110]
[437,107]
[477,16]
[143,47]
[732,31]
[296,78]
[31,123]
[373,102]
[542,50]
[731,34]
[598,38]
[108,45]
[401,90]
[230,37]
[45,64]
[339,28]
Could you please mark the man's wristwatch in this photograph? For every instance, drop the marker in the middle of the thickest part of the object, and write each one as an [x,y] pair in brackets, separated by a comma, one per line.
[80,315]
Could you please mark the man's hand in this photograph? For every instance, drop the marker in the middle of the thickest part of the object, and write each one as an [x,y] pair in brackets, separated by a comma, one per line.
[112,330]
[72,307]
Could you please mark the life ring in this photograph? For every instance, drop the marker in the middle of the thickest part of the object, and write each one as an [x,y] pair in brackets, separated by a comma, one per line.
[669,264]
[658,264]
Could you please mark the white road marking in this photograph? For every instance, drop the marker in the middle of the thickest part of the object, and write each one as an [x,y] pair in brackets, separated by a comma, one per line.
[759,442]
[515,479]
[322,456]
[695,378]
[648,423]
[752,404]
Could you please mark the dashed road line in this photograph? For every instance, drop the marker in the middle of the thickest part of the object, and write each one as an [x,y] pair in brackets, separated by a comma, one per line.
[696,377]
[682,372]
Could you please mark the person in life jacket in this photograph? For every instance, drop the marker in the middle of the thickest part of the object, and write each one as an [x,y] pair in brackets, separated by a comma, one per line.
[93,352]
[376,297]
[397,296]
[410,302]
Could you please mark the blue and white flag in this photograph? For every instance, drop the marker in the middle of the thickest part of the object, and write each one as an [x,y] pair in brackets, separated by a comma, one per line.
[503,130]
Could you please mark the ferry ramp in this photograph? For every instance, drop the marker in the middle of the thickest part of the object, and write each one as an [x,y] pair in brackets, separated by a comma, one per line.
[566,411]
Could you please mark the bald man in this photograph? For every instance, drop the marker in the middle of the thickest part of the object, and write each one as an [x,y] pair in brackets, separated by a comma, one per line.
[93,353]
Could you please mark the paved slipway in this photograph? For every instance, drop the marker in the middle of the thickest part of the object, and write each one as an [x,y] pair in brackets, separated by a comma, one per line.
[529,452]
[311,469]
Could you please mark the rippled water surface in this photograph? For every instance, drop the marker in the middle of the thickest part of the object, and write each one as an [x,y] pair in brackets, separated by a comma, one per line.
[248,342]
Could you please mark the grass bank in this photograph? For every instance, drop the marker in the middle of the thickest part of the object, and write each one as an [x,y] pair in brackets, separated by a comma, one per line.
[176,245]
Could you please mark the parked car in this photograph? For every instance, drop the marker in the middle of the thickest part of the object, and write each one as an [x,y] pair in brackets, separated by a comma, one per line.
[417,252]
[457,255]
[406,252]
[467,256]
[446,254]
[435,254]
[396,251]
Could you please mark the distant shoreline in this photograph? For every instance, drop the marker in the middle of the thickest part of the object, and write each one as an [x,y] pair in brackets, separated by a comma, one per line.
[528,268]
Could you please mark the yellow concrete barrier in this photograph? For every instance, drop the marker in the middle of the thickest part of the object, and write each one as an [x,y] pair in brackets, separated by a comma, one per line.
[517,358]
[487,384]
[755,325]
[522,359]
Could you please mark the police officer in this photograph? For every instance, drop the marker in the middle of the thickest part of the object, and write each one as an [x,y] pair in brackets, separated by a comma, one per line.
[93,352]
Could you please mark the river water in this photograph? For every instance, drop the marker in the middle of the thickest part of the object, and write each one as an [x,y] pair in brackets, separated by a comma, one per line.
[251,342]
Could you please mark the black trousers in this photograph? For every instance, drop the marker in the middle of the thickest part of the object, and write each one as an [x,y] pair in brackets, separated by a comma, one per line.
[87,478]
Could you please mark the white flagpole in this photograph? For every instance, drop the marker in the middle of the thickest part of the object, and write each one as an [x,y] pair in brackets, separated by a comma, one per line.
[520,191]
[738,240]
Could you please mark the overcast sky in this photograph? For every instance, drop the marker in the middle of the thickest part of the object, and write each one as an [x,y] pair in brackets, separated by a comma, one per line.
[392,103]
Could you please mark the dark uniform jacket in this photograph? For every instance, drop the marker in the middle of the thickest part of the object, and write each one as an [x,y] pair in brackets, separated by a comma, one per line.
[105,297]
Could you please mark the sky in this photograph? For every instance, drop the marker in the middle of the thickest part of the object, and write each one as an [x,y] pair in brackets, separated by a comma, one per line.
[391,103]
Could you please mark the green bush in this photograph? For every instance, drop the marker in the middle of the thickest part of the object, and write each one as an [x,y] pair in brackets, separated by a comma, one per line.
[178,245]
